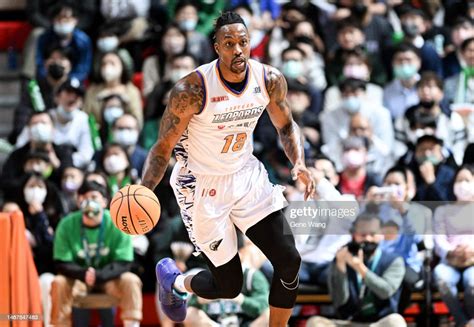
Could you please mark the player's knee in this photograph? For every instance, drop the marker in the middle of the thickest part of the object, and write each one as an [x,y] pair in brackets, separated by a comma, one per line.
[232,286]
[288,263]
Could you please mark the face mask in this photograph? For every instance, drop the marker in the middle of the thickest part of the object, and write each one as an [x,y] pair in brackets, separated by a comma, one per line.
[404,71]
[70,185]
[66,115]
[188,25]
[292,68]
[410,29]
[64,29]
[177,74]
[173,46]
[435,161]
[91,208]
[107,44]
[42,133]
[126,137]
[56,71]
[356,71]
[464,191]
[352,159]
[369,248]
[351,104]
[35,194]
[112,113]
[427,104]
[110,73]
[115,164]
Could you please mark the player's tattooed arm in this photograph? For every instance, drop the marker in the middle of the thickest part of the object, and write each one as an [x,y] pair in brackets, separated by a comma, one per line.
[185,100]
[280,115]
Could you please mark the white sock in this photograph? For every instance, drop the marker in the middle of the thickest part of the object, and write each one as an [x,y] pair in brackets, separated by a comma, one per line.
[179,284]
[131,323]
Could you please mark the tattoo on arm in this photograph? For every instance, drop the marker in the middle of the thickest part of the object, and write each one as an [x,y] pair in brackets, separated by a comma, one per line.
[280,114]
[186,99]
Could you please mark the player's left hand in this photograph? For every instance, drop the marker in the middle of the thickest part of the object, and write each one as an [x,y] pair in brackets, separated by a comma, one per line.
[302,173]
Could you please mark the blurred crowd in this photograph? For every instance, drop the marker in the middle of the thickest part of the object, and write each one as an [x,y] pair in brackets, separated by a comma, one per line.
[383,91]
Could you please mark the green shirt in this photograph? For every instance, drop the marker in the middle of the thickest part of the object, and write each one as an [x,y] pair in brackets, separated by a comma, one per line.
[69,247]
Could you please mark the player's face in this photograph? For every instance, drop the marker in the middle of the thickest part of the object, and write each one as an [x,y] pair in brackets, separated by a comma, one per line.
[233,47]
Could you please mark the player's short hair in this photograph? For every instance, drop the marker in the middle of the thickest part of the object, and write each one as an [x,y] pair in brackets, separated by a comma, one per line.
[227,18]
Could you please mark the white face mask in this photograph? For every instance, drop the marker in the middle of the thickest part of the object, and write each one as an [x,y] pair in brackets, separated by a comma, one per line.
[41,132]
[464,191]
[108,43]
[114,164]
[110,73]
[35,194]
[112,113]
[126,137]
[64,29]
[353,159]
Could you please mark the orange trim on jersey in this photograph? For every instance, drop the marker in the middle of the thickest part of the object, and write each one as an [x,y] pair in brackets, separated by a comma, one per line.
[203,78]
[264,79]
[225,86]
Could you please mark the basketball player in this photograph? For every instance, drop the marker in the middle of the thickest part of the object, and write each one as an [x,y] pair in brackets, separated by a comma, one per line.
[218,183]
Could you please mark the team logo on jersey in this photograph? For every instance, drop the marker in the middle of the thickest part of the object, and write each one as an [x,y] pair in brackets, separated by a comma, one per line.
[214,245]
[238,115]
[220,98]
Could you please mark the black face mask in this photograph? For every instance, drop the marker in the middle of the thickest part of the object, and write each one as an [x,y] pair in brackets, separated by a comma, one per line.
[56,71]
[359,10]
[427,104]
[369,248]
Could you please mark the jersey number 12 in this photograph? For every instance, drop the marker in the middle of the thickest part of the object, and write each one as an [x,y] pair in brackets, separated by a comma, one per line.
[240,139]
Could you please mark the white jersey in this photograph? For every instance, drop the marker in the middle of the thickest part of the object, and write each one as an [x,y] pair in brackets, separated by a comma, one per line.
[218,140]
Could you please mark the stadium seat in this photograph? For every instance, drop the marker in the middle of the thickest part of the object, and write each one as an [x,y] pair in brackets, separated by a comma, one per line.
[13,34]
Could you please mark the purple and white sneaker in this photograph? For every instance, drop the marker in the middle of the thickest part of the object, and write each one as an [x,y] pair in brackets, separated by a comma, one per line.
[172,302]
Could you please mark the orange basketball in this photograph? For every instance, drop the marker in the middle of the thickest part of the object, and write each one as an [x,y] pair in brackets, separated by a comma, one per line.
[135,209]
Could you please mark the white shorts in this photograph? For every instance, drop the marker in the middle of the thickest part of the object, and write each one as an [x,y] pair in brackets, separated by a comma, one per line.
[212,206]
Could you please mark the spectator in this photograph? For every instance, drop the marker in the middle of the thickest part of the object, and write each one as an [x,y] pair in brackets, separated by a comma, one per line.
[364,280]
[38,12]
[198,44]
[71,180]
[125,132]
[113,107]
[406,225]
[350,36]
[305,37]
[462,29]
[58,66]
[459,88]
[453,244]
[40,130]
[114,79]
[354,178]
[105,265]
[432,175]
[115,162]
[64,33]
[267,11]
[181,65]
[401,93]
[71,125]
[429,112]
[413,27]
[157,67]
[335,124]
[356,65]
[208,12]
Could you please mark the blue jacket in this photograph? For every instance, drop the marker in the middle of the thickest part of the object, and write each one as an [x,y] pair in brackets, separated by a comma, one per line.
[80,48]
[430,61]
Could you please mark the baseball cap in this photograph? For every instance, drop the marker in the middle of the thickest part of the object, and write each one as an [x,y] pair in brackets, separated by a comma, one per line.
[72,84]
